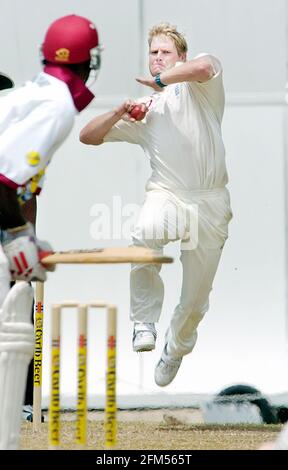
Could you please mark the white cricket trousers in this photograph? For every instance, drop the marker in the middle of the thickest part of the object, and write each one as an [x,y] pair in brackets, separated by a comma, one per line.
[200,220]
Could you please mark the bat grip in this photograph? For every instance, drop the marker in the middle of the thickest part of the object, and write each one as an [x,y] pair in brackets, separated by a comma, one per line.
[42,254]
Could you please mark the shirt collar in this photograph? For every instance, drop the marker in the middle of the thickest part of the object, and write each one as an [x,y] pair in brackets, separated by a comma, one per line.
[81,95]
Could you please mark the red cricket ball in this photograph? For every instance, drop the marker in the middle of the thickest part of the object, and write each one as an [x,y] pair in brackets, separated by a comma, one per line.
[137,112]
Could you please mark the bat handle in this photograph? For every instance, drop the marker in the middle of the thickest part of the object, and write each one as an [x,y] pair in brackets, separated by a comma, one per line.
[42,254]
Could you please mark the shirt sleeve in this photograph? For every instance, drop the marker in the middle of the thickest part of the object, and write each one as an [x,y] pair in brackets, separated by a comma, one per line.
[124,131]
[212,90]
[31,141]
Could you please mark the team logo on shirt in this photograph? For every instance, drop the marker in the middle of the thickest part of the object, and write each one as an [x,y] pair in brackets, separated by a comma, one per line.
[24,193]
[33,158]
[62,54]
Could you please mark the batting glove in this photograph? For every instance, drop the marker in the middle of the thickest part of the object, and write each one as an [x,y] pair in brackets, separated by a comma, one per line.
[22,250]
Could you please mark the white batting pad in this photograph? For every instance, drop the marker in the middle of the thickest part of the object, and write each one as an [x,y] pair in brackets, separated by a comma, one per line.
[16,351]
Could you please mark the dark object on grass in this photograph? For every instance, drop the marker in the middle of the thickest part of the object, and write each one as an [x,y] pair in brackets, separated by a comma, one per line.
[236,394]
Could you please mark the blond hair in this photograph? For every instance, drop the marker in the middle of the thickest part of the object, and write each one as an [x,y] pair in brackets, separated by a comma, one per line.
[169,30]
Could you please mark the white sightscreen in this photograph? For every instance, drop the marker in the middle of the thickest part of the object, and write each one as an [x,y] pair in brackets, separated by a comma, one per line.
[242,338]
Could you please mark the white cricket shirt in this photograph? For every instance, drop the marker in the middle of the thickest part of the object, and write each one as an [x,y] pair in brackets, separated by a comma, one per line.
[181,135]
[34,120]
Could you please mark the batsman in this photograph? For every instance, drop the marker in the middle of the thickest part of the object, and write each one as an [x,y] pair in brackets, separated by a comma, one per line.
[35,119]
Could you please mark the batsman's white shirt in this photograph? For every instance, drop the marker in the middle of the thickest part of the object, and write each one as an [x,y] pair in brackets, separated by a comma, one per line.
[181,135]
[34,120]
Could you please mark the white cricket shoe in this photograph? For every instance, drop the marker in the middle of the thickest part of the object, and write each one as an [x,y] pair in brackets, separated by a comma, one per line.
[166,369]
[144,337]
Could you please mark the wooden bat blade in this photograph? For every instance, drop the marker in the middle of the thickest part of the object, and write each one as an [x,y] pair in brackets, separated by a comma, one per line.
[106,255]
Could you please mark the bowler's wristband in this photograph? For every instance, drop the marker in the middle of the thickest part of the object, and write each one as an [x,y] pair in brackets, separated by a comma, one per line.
[158,81]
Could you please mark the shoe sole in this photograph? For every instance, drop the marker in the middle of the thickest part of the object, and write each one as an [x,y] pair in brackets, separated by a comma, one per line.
[144,347]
